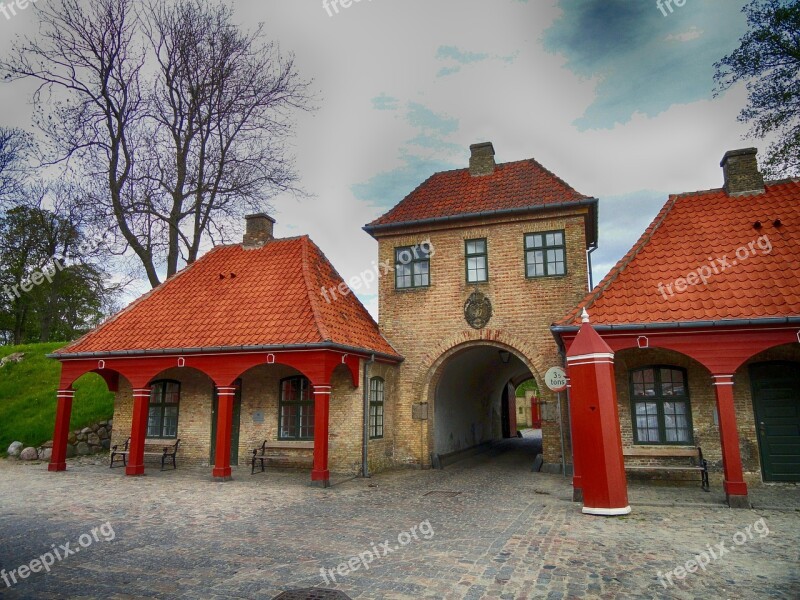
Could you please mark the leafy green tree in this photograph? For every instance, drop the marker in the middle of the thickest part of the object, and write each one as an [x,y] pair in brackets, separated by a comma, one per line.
[49,288]
[768,61]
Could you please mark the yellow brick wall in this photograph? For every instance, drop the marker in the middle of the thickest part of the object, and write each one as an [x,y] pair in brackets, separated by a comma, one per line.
[425,325]
[260,393]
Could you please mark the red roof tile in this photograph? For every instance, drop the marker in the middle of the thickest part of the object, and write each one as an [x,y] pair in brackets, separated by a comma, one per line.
[235,297]
[515,185]
[700,233]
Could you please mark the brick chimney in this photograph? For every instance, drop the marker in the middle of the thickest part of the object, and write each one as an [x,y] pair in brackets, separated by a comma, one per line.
[259,230]
[481,160]
[740,169]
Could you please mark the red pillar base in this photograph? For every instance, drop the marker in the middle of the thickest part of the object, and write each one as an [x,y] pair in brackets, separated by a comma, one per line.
[134,470]
[736,493]
[62,466]
[222,474]
[321,479]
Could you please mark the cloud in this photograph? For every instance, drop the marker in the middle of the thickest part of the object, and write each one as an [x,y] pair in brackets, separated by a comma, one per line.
[687,36]
[422,117]
[384,102]
[460,56]
[628,49]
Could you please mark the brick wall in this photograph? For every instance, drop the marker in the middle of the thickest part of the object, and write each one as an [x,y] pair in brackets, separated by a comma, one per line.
[426,325]
[259,416]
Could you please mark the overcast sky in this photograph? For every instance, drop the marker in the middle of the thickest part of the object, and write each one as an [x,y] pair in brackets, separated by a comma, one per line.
[611,95]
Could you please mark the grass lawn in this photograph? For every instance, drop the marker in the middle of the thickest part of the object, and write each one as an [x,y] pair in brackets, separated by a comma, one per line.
[28,397]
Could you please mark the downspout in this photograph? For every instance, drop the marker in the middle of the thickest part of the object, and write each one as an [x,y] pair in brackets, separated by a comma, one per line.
[591,249]
[365,440]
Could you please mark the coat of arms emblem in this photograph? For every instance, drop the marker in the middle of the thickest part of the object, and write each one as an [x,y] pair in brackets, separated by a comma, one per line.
[477,310]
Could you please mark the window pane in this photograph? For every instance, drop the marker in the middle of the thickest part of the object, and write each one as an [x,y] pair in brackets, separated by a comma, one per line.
[421,273]
[172,392]
[555,262]
[535,263]
[307,420]
[404,256]
[288,421]
[676,423]
[646,422]
[170,425]
[403,276]
[154,421]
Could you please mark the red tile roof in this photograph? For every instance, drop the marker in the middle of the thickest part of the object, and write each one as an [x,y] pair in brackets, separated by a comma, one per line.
[521,185]
[235,297]
[700,233]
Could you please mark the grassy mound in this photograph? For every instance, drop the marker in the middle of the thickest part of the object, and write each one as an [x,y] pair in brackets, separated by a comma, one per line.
[28,397]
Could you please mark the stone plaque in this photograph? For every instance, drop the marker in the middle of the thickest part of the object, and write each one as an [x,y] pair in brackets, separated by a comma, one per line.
[258,417]
[477,310]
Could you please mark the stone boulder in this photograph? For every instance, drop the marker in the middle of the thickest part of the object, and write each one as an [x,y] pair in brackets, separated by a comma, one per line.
[12,358]
[83,449]
[73,437]
[45,453]
[93,439]
[71,451]
[15,448]
[102,433]
[106,444]
[29,454]
[48,444]
[86,430]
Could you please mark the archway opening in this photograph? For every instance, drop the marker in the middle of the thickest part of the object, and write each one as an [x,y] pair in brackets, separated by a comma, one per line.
[475,403]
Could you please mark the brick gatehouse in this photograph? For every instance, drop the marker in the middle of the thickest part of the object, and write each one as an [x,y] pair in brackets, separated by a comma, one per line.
[264,341]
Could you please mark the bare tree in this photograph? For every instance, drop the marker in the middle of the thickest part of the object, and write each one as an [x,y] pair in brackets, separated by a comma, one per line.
[221,105]
[15,149]
[166,167]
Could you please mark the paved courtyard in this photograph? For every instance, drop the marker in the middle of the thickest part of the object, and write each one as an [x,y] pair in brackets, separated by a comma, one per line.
[484,528]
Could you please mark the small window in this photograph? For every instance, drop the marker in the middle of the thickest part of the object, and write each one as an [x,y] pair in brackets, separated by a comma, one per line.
[477,261]
[545,254]
[376,408]
[162,417]
[295,410]
[412,267]
[660,404]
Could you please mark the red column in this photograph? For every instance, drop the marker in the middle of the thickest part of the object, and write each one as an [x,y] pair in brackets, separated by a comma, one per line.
[58,459]
[735,487]
[222,457]
[320,475]
[577,482]
[141,405]
[597,441]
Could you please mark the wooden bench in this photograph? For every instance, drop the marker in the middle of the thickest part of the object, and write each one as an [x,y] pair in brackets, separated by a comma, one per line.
[698,463]
[270,452]
[168,452]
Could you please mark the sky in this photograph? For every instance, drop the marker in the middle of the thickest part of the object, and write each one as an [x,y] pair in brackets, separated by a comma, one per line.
[614,96]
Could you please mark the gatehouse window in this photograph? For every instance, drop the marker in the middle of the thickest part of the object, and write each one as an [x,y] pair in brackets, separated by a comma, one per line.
[412,267]
[660,405]
[545,254]
[162,417]
[295,409]
[376,399]
[477,261]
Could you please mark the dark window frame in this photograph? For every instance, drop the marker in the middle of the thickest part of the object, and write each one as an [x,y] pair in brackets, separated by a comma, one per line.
[544,248]
[377,400]
[468,255]
[659,398]
[417,257]
[162,406]
[298,404]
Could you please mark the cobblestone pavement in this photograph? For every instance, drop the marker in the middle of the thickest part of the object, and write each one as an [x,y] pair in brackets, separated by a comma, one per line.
[506,533]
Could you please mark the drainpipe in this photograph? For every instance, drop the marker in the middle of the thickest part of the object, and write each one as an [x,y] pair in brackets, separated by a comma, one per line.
[591,249]
[365,441]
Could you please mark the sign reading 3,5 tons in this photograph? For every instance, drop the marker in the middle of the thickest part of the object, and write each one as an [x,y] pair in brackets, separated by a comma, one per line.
[556,379]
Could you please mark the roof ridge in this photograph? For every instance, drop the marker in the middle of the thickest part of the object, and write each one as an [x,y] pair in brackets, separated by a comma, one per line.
[139,300]
[593,295]
[323,330]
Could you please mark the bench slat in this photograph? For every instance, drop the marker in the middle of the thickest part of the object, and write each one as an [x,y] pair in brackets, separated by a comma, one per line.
[660,468]
[659,451]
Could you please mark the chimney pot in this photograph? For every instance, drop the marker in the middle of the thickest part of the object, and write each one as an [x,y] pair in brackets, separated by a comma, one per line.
[481,160]
[258,231]
[740,170]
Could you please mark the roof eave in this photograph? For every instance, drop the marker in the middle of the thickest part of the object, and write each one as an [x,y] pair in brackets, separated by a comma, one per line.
[592,233]
[228,350]
[622,327]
